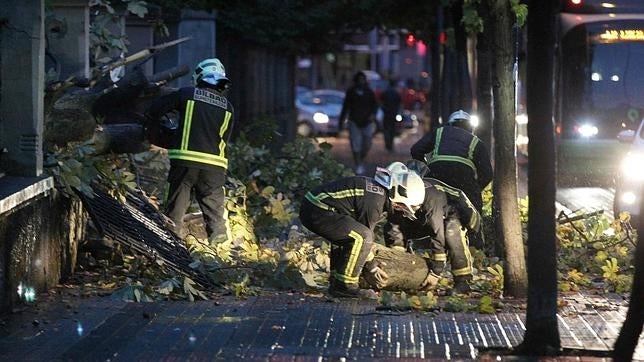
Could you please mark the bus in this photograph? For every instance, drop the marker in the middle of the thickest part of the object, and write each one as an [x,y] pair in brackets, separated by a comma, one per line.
[599,87]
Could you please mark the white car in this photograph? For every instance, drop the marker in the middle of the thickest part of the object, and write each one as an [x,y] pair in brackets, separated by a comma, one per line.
[629,185]
[318,112]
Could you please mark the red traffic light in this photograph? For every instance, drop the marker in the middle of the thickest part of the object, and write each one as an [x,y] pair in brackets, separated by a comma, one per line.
[411,40]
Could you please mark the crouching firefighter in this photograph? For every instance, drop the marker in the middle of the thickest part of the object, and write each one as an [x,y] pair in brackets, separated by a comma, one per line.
[441,226]
[346,211]
[198,149]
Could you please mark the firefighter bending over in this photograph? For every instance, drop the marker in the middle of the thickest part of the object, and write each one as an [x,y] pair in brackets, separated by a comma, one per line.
[346,211]
[440,227]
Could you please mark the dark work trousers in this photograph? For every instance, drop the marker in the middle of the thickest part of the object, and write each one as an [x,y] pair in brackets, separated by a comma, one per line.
[455,246]
[208,186]
[389,129]
[351,241]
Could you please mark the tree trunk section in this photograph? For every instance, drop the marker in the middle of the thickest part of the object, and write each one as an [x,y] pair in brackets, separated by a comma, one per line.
[436,68]
[542,333]
[484,78]
[632,327]
[506,208]
[406,271]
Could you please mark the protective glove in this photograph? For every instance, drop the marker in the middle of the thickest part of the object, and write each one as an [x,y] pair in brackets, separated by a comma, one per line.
[375,275]
[430,281]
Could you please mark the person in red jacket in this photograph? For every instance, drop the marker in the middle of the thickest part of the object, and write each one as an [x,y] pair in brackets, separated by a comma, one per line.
[198,151]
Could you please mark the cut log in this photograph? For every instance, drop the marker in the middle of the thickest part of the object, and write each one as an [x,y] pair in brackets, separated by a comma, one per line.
[406,271]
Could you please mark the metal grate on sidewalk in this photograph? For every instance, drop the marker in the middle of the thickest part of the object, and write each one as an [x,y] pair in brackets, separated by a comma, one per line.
[138,225]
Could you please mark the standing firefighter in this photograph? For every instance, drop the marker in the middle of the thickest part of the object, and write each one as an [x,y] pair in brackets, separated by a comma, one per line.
[458,158]
[442,221]
[346,211]
[198,150]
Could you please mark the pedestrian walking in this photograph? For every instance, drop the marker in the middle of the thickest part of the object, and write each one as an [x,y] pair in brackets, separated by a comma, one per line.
[440,227]
[390,107]
[346,212]
[458,158]
[360,106]
[198,151]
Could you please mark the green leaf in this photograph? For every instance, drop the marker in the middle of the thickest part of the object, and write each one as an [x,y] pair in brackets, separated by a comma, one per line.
[138,8]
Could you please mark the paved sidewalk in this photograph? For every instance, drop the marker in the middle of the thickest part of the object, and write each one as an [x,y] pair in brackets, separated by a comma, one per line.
[282,326]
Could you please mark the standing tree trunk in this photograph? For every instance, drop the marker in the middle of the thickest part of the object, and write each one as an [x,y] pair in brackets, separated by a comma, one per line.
[506,207]
[484,78]
[632,327]
[436,68]
[542,334]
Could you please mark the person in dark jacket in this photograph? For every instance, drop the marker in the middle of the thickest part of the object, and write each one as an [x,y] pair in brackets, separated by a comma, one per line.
[390,106]
[198,151]
[440,227]
[346,211]
[458,158]
[360,107]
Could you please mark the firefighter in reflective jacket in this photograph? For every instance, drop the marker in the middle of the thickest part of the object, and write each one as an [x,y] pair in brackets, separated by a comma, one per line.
[457,157]
[440,227]
[346,211]
[198,151]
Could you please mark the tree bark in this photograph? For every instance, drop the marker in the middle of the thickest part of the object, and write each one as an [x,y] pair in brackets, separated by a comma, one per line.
[436,68]
[484,77]
[542,333]
[506,208]
[632,328]
[406,271]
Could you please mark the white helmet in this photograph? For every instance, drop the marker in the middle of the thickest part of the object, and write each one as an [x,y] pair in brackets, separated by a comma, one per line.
[459,116]
[406,188]
[212,72]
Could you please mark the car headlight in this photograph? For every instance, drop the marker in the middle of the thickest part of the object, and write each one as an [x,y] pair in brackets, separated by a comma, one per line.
[587,130]
[320,117]
[398,118]
[628,198]
[632,166]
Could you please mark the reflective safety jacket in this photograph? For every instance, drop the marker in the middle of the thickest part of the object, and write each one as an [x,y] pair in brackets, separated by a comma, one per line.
[358,197]
[456,157]
[205,125]
[438,226]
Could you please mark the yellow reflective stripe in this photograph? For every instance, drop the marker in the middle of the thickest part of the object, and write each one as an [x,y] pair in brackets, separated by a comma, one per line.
[355,252]
[439,257]
[468,256]
[200,157]
[309,196]
[448,190]
[341,194]
[345,278]
[459,159]
[439,135]
[187,123]
[470,153]
[222,130]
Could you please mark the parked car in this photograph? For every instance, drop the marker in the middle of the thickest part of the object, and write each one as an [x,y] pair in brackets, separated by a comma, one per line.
[629,185]
[318,112]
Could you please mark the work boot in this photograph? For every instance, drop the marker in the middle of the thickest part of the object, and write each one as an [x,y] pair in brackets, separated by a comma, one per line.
[342,290]
[462,285]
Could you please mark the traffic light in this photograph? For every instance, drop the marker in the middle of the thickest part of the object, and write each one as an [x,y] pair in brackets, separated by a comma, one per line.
[411,40]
